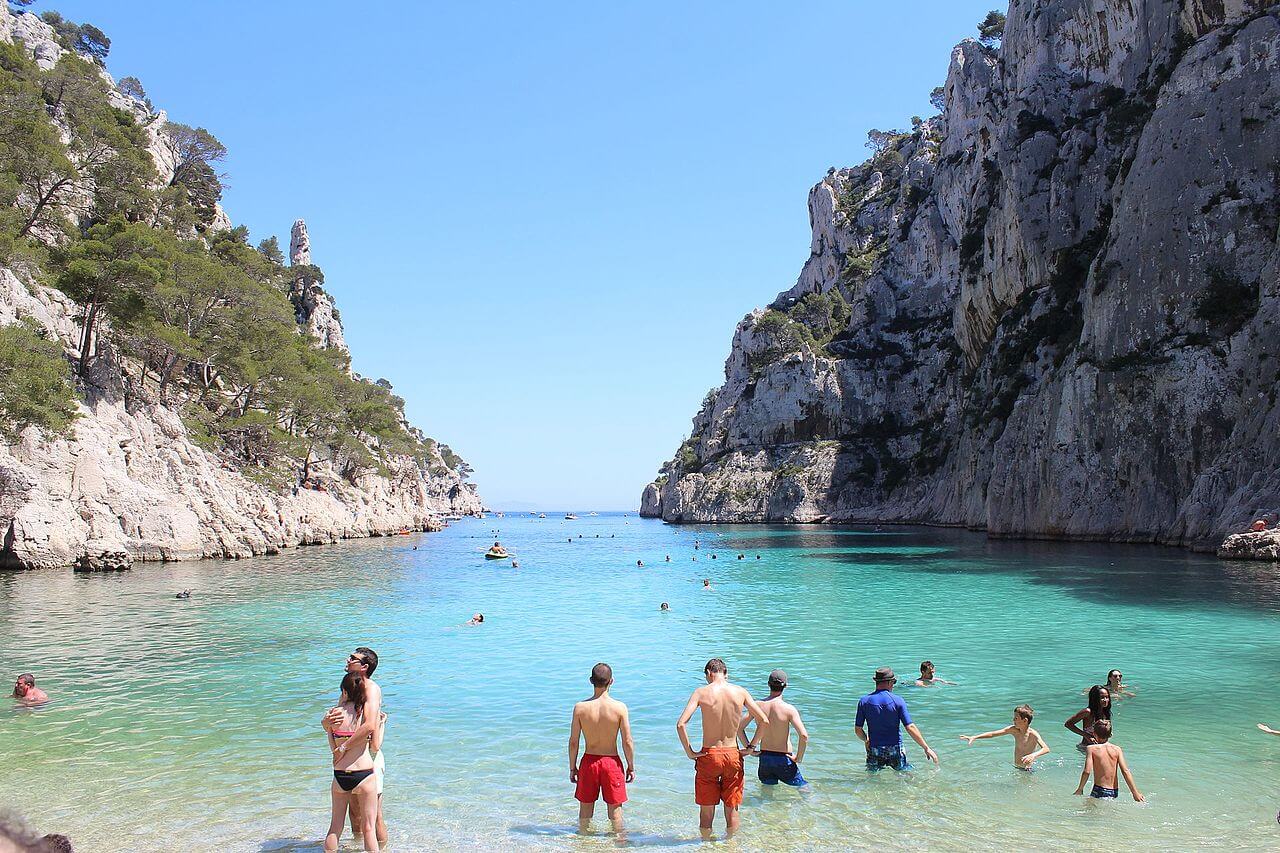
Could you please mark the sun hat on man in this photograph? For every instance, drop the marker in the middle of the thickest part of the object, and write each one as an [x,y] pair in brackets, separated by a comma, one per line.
[885,673]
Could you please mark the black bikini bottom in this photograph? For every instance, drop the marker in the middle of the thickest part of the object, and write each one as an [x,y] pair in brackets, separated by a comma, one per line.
[348,779]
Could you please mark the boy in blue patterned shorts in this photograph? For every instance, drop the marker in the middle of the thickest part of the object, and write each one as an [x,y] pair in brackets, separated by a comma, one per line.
[882,712]
[778,763]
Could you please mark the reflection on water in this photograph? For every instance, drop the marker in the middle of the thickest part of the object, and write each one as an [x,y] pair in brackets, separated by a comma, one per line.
[192,724]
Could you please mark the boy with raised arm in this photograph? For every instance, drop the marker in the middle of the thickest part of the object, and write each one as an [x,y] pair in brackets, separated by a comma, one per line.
[718,776]
[777,761]
[1103,760]
[1027,743]
[600,720]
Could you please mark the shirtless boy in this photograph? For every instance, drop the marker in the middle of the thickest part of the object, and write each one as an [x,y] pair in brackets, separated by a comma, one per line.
[600,720]
[1027,743]
[1103,759]
[718,776]
[778,763]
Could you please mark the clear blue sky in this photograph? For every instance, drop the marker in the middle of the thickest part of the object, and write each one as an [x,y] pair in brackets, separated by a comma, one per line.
[540,221]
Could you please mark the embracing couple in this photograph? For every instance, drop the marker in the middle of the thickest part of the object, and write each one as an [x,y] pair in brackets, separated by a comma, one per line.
[354,728]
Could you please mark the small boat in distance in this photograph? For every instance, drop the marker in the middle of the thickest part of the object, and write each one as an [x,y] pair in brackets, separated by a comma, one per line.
[453,518]
[497,552]
[570,517]
[542,515]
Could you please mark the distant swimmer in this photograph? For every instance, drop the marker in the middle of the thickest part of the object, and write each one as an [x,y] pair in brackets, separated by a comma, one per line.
[665,607]
[1115,686]
[695,544]
[478,619]
[1103,759]
[1027,743]
[186,593]
[601,721]
[640,563]
[668,558]
[757,556]
[718,776]
[706,583]
[515,564]
[713,556]
[927,677]
[1264,727]
[740,556]
[778,762]
[26,692]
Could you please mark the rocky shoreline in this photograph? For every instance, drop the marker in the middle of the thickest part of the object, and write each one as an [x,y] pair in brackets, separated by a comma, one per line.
[1047,312]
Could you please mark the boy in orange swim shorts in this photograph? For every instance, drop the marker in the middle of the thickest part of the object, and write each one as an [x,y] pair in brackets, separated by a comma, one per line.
[718,775]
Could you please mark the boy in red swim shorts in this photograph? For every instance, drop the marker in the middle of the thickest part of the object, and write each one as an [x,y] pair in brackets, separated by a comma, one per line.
[601,719]
[718,775]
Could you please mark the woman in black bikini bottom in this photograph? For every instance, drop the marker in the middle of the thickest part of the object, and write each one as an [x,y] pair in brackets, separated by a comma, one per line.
[353,781]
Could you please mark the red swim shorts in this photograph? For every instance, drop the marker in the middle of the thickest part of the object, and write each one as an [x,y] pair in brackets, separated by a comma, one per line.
[718,777]
[601,775]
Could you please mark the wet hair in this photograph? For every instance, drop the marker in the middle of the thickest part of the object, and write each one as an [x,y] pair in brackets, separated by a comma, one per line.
[353,685]
[1095,703]
[370,657]
[1024,711]
[601,674]
[27,679]
[1102,730]
[715,665]
[55,843]
[479,617]
[927,664]
[1116,671]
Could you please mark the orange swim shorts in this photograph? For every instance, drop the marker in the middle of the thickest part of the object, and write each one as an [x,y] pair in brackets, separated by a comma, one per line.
[718,777]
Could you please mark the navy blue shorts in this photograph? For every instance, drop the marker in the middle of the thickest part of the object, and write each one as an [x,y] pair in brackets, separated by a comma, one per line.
[887,756]
[1102,793]
[778,767]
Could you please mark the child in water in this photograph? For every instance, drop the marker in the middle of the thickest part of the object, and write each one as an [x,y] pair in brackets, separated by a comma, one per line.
[1103,759]
[1027,743]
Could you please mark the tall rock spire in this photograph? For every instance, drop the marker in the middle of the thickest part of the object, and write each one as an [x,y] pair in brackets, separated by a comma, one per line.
[299,244]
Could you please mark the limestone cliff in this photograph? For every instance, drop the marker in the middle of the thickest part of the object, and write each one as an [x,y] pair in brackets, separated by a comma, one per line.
[1049,311]
[130,482]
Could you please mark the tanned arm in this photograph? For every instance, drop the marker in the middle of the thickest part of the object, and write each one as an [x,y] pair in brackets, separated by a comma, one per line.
[802,738]
[685,716]
[914,731]
[1075,718]
[1128,778]
[1086,772]
[1042,748]
[971,738]
[754,709]
[628,745]
[575,735]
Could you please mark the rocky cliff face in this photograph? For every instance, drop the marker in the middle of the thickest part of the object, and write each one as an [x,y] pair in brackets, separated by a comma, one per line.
[1050,311]
[128,482]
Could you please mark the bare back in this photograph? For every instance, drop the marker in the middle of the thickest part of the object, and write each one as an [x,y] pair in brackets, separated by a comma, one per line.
[722,705]
[601,722]
[780,716]
[1106,761]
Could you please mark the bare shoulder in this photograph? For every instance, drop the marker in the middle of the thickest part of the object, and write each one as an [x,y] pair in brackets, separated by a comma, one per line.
[617,705]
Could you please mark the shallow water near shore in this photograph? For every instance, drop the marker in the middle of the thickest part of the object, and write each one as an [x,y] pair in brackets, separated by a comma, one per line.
[193,724]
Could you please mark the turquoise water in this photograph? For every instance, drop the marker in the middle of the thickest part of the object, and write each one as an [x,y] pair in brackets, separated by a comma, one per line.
[191,725]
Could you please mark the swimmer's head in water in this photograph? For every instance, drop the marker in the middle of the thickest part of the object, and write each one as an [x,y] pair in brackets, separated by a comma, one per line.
[706,581]
[1114,677]
[665,606]
[1102,731]
[1024,712]
[926,668]
[715,666]
[23,683]
[602,675]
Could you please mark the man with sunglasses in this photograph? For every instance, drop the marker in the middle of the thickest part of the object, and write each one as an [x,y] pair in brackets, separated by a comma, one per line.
[363,661]
[882,712]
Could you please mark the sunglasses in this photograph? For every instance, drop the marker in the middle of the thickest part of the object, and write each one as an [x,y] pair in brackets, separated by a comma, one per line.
[358,659]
